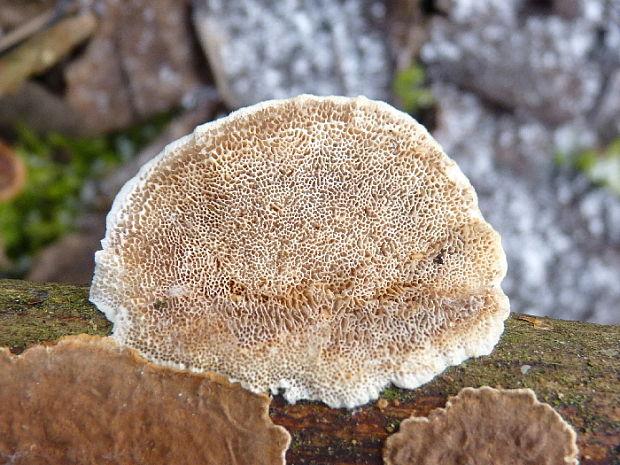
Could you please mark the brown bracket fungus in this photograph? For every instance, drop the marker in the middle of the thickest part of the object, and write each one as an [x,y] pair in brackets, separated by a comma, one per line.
[12,173]
[88,400]
[485,426]
[323,245]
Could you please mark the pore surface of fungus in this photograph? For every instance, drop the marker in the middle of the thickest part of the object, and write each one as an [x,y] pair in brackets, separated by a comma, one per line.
[485,426]
[326,246]
[87,400]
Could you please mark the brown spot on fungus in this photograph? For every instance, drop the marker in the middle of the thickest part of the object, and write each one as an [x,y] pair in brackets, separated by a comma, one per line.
[12,173]
[485,426]
[87,400]
[332,294]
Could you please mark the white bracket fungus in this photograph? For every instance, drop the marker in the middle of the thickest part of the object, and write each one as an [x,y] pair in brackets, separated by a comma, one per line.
[324,245]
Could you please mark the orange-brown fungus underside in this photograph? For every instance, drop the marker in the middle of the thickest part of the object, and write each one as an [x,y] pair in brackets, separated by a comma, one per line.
[86,400]
[485,426]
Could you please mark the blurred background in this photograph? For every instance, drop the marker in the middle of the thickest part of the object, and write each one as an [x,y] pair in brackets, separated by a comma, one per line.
[523,94]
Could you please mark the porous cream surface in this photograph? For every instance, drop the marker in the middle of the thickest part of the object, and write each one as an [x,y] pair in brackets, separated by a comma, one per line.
[326,246]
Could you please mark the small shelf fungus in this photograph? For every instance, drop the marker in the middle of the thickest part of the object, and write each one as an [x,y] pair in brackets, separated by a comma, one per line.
[88,400]
[12,173]
[485,426]
[321,245]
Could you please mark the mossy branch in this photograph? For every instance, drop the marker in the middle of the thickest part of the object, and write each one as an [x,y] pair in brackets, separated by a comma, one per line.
[573,366]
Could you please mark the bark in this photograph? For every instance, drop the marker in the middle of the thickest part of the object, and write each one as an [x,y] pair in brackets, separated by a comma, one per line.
[573,366]
[43,50]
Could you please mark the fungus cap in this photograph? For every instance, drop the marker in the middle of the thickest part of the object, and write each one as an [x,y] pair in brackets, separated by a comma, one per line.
[12,173]
[323,245]
[88,400]
[485,426]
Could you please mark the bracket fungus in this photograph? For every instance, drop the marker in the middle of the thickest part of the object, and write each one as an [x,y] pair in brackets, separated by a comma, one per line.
[321,245]
[485,426]
[12,173]
[88,400]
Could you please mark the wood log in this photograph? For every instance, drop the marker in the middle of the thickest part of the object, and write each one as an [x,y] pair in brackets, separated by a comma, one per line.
[573,366]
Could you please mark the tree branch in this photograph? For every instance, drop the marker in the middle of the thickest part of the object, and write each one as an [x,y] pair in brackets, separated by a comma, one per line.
[573,366]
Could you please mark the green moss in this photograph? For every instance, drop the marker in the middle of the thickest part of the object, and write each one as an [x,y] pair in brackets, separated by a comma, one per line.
[409,87]
[600,165]
[391,393]
[58,170]
[296,441]
[565,371]
[31,313]
[392,426]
